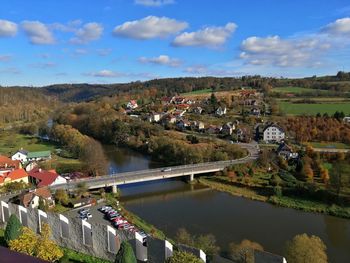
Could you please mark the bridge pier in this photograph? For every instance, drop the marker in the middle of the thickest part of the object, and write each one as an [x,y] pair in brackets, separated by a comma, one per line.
[114,189]
[191,177]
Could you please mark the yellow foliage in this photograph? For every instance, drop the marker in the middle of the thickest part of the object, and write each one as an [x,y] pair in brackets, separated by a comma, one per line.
[38,246]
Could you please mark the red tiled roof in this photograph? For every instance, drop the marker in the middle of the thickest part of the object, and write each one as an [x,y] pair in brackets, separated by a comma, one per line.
[46,178]
[17,174]
[5,161]
[42,192]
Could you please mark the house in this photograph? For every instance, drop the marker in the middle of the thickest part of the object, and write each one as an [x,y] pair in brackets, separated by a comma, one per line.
[32,198]
[154,117]
[167,100]
[179,100]
[346,119]
[286,152]
[39,156]
[182,106]
[243,135]
[132,105]
[42,177]
[183,124]
[7,164]
[197,125]
[168,119]
[25,156]
[18,175]
[20,155]
[273,133]
[197,110]
[179,113]
[255,111]
[221,111]
[227,128]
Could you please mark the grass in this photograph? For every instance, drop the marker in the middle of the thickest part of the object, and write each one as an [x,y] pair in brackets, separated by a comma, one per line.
[314,108]
[197,92]
[295,90]
[10,142]
[330,145]
[75,256]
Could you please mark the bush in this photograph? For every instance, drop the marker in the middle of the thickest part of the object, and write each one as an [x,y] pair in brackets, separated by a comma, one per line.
[13,229]
[183,257]
[125,254]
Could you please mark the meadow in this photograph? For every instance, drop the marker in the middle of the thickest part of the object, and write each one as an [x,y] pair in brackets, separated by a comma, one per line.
[330,108]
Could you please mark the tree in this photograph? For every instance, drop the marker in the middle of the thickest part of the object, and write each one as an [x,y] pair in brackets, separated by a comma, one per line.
[81,189]
[244,251]
[207,243]
[121,132]
[125,254]
[13,229]
[25,243]
[183,237]
[183,257]
[94,159]
[61,196]
[304,248]
[46,249]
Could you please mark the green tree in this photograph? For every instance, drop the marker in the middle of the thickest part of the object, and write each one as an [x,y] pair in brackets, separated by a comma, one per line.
[125,254]
[183,237]
[183,257]
[81,188]
[303,248]
[13,229]
[61,197]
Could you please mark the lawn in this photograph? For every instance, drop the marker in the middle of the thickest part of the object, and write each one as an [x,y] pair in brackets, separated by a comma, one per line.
[296,90]
[197,92]
[330,145]
[314,108]
[10,142]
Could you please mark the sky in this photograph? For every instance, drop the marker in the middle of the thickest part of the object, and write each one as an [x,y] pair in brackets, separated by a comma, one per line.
[44,42]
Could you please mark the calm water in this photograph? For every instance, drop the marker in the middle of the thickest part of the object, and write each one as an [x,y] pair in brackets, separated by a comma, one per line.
[172,204]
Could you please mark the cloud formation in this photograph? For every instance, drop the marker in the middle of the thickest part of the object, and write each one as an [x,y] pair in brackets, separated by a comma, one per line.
[206,37]
[150,27]
[89,32]
[105,74]
[154,3]
[203,70]
[340,27]
[38,33]
[7,28]
[5,58]
[275,51]
[161,60]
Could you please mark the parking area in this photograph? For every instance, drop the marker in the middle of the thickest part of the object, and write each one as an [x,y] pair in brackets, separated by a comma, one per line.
[97,216]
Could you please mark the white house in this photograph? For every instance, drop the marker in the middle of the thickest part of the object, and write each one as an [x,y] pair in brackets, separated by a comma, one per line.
[132,105]
[221,111]
[227,128]
[31,199]
[21,155]
[346,119]
[273,133]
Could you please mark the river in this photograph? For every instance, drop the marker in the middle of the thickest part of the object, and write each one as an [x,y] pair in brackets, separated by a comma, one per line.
[172,204]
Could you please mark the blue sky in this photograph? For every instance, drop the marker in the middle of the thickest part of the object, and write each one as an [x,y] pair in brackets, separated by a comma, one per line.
[108,41]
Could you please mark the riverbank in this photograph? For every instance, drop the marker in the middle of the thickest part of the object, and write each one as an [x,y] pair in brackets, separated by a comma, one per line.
[224,185]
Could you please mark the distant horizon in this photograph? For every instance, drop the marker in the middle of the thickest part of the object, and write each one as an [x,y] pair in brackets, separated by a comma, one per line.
[57,42]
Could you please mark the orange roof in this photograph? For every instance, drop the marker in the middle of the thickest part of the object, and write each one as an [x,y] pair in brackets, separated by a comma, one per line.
[41,192]
[17,174]
[5,161]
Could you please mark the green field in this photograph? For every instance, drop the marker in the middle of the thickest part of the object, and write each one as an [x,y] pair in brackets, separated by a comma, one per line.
[10,142]
[296,90]
[197,92]
[330,145]
[312,109]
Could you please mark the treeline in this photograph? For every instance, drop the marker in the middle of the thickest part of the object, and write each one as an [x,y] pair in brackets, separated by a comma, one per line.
[307,129]
[88,150]
[24,104]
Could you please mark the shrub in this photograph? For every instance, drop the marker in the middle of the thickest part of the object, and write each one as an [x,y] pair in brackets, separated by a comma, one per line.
[183,257]
[125,254]
[13,229]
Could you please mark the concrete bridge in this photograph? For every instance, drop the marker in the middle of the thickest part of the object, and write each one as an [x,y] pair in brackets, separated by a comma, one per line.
[190,171]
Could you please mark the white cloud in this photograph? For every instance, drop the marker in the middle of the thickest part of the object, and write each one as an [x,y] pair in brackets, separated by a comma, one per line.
[38,33]
[340,27]
[207,37]
[10,71]
[106,74]
[71,26]
[80,51]
[104,51]
[161,60]
[89,32]
[275,51]
[43,65]
[150,27]
[7,28]
[154,3]
[5,58]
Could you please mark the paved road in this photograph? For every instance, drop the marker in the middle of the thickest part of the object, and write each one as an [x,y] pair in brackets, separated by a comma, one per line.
[161,173]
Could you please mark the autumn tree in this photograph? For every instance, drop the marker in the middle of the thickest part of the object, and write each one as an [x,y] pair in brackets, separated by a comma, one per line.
[81,189]
[25,243]
[95,162]
[13,229]
[244,251]
[183,257]
[46,248]
[61,197]
[304,248]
